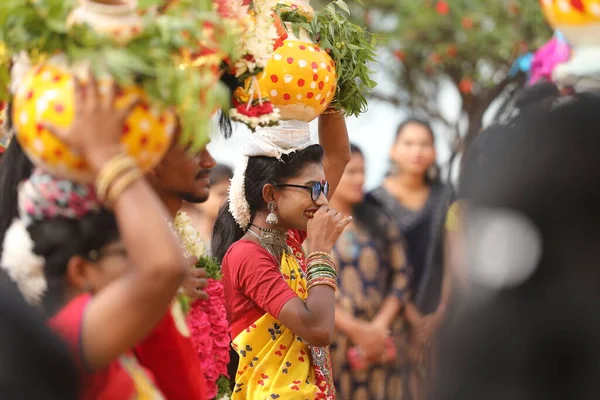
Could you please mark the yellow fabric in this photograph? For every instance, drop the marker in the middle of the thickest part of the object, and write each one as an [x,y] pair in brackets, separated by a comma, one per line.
[274,362]
[454,218]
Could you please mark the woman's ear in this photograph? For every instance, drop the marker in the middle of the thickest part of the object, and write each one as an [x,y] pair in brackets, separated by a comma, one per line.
[77,272]
[268,193]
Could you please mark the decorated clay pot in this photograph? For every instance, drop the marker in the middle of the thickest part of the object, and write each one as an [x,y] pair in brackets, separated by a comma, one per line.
[579,22]
[300,78]
[116,18]
[46,94]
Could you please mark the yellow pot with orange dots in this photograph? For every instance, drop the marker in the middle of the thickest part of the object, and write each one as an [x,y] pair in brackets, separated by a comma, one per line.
[46,96]
[300,78]
[579,22]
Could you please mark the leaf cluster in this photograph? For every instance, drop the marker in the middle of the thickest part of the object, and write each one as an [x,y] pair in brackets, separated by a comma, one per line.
[212,267]
[351,46]
[152,60]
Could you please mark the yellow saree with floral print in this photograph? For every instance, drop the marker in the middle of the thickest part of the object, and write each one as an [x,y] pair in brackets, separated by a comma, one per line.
[277,364]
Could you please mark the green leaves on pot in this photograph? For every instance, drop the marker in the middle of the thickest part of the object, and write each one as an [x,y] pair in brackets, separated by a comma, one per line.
[351,47]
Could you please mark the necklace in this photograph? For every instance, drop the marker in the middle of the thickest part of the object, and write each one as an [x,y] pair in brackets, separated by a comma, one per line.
[275,242]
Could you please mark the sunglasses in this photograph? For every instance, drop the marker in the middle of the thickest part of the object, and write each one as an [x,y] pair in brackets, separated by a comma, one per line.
[315,189]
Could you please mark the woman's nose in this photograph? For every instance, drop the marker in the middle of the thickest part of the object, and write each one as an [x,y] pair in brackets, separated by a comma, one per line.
[322,200]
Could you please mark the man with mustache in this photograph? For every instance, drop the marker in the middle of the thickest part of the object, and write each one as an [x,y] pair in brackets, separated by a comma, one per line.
[180,176]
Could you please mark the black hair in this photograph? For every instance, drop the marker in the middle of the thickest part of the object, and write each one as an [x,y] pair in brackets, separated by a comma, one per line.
[35,362]
[260,172]
[415,121]
[15,167]
[220,173]
[370,218]
[354,149]
[225,125]
[59,239]
[430,180]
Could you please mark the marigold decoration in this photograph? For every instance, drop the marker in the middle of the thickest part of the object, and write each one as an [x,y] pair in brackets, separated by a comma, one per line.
[579,22]
[151,57]
[207,319]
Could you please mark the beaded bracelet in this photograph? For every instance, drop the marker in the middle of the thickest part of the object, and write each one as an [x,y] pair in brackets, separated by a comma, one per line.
[317,254]
[321,268]
[321,275]
[332,283]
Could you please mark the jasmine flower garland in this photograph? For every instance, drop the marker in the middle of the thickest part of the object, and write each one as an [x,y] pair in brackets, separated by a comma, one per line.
[207,319]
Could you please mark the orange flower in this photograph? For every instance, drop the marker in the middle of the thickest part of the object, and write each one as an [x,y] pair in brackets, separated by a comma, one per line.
[466,86]
[468,23]
[452,51]
[442,8]
[400,55]
[435,58]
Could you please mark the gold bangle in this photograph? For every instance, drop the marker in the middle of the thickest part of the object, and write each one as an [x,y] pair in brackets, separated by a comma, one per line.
[332,111]
[114,168]
[122,183]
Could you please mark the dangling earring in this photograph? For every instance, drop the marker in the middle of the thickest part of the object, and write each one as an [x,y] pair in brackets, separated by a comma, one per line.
[432,173]
[272,218]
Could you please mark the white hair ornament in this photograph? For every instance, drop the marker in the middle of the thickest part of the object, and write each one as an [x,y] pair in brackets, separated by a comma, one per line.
[23,266]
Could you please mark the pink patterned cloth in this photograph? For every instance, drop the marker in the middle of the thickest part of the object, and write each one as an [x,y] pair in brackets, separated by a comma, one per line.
[553,53]
[43,197]
[207,321]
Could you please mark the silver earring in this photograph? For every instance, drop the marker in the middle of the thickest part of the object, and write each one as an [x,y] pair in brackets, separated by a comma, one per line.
[432,173]
[272,218]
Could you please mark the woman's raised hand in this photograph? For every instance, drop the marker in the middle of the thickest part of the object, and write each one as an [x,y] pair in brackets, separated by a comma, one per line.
[325,228]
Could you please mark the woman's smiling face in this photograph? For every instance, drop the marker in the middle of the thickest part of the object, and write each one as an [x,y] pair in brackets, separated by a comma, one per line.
[295,206]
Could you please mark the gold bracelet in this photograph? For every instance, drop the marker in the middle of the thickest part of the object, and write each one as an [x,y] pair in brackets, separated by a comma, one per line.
[332,111]
[122,183]
[114,168]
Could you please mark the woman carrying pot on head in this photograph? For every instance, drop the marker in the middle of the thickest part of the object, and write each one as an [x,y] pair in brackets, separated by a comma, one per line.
[101,283]
[280,303]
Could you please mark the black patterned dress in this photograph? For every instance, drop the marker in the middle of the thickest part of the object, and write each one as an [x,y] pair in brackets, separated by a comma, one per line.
[367,275]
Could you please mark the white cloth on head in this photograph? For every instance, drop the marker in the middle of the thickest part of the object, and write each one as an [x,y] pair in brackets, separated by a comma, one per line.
[285,138]
[276,141]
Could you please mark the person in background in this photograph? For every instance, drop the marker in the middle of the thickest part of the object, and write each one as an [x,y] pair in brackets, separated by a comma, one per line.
[415,199]
[204,215]
[2,150]
[83,265]
[369,349]
[530,329]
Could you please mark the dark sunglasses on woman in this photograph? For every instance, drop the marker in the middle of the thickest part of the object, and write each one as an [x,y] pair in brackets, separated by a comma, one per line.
[315,189]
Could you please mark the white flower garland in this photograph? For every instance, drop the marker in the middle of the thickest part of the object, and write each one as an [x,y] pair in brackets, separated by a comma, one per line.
[258,37]
[189,236]
[23,266]
[238,205]
[255,122]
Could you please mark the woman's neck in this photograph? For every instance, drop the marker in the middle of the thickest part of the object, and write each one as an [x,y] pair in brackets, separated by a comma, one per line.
[413,182]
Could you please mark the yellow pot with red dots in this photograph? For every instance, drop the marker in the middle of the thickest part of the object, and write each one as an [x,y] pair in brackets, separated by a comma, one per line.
[46,95]
[579,22]
[300,79]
